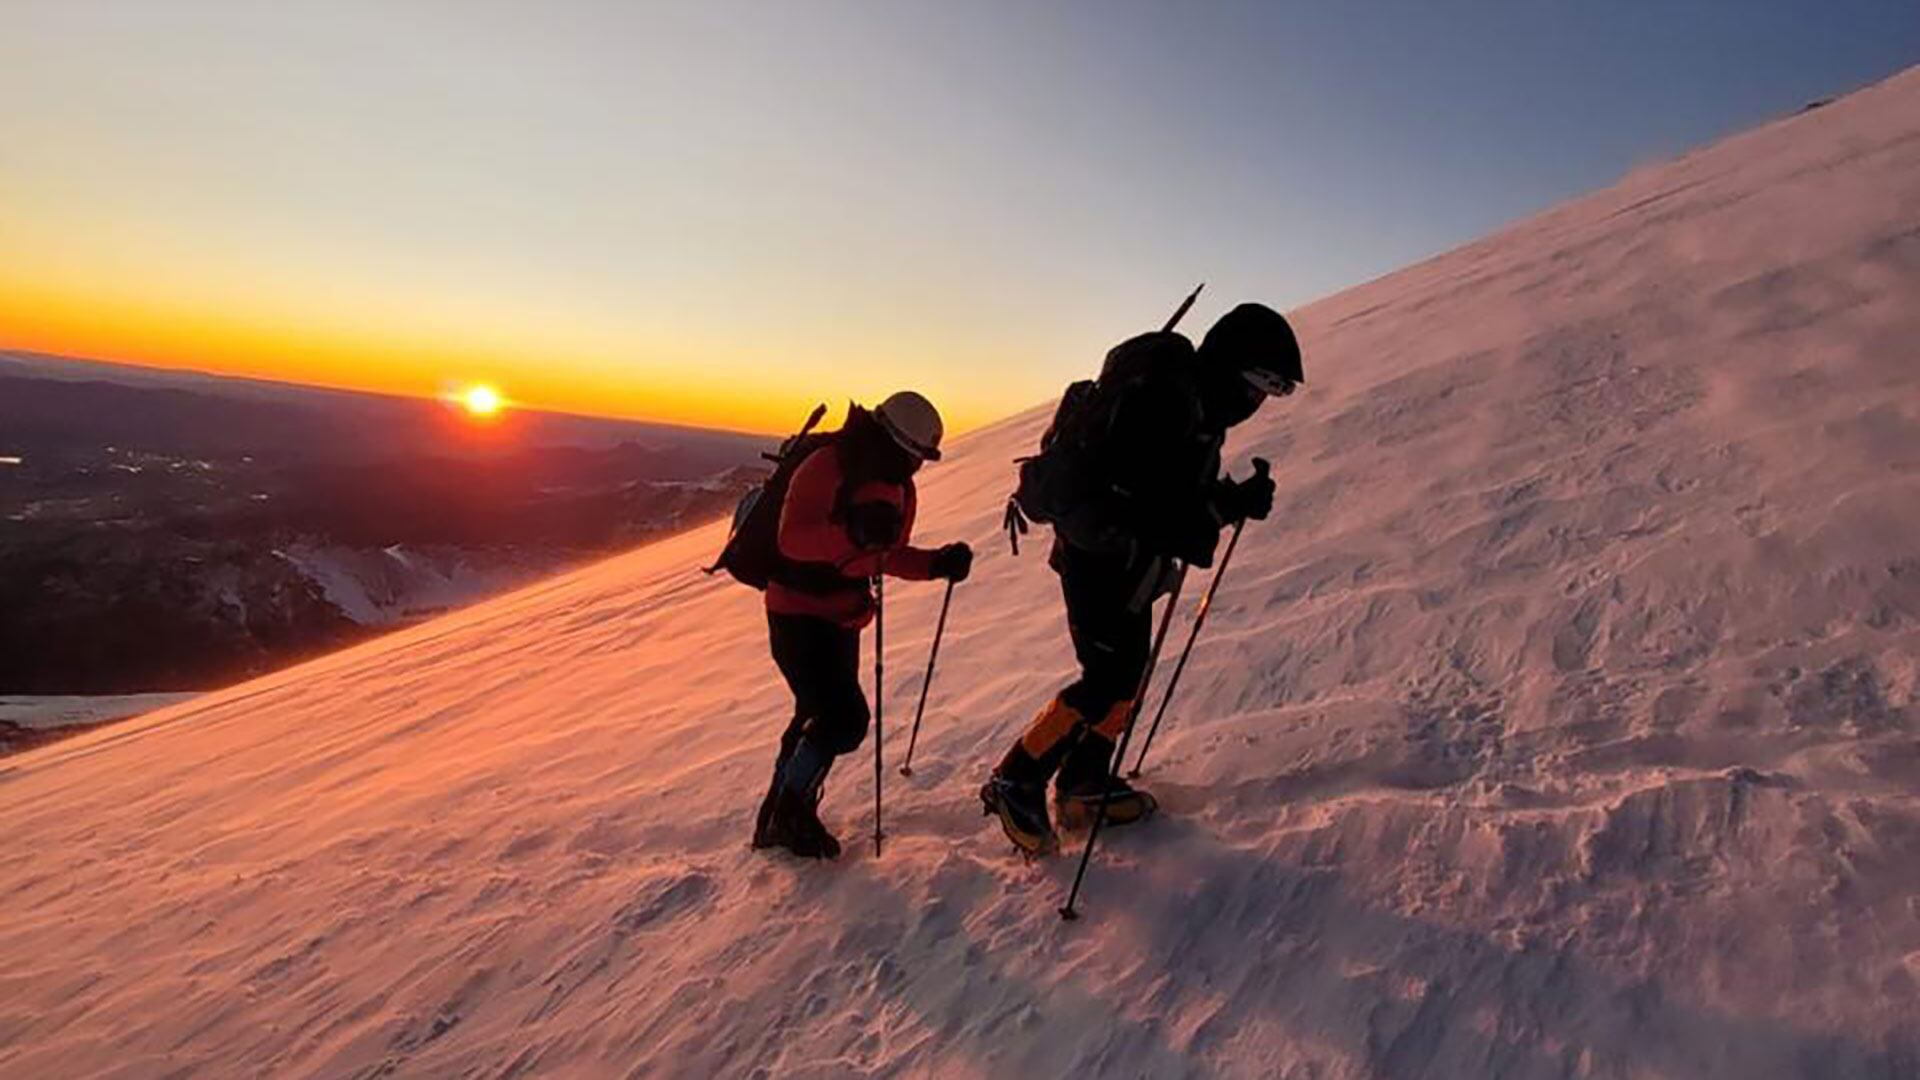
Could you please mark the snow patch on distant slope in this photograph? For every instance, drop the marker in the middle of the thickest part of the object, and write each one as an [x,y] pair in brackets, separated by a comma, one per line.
[48,711]
[393,584]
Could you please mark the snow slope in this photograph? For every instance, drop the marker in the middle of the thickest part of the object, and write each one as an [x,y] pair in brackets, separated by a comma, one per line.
[1562,722]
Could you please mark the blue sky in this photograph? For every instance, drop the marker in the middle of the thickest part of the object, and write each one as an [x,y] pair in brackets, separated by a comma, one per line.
[723,211]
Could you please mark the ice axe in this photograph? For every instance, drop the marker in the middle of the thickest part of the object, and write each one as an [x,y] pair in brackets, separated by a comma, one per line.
[1181,311]
[1261,468]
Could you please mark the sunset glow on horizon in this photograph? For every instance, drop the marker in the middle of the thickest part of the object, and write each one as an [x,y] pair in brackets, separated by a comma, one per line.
[570,374]
[719,214]
[482,401]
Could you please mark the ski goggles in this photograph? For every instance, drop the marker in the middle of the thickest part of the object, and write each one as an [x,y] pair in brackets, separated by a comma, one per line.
[1268,382]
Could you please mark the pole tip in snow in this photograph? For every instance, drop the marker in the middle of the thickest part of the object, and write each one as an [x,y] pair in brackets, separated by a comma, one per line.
[1069,914]
[905,771]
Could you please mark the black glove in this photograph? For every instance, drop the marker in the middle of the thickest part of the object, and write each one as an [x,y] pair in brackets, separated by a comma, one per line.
[953,562]
[1249,499]
[873,526]
[1195,545]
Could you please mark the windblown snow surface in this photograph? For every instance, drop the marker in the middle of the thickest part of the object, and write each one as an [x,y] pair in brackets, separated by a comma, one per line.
[1561,722]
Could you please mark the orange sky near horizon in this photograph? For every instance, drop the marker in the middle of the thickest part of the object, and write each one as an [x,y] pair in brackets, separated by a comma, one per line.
[559,363]
[572,371]
[90,327]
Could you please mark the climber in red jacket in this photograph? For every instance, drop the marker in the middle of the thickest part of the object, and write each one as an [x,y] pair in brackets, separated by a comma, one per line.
[847,517]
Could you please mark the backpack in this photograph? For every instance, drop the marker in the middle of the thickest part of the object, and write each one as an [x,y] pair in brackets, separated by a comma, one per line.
[1068,484]
[752,551]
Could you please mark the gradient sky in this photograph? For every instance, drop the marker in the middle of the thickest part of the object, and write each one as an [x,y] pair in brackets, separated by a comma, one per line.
[722,212]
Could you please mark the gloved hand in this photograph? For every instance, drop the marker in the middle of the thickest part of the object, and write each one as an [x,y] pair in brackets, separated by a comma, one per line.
[873,526]
[1195,544]
[1249,499]
[953,562]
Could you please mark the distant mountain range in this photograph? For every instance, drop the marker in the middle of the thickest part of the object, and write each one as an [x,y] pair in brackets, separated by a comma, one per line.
[55,401]
[170,530]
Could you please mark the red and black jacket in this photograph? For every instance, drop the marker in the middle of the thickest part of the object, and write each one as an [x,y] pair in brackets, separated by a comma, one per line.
[828,576]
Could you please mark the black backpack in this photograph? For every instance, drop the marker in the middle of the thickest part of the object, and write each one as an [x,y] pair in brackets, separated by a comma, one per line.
[1068,484]
[752,552]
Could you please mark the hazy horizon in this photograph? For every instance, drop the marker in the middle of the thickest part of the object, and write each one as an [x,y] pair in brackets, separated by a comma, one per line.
[140,373]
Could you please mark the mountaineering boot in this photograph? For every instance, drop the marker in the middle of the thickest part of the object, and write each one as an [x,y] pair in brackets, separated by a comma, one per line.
[764,815]
[1022,810]
[795,825]
[791,812]
[763,818]
[1126,804]
[1086,776]
[1017,794]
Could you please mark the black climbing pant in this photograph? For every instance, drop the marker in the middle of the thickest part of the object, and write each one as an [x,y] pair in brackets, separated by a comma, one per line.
[821,662]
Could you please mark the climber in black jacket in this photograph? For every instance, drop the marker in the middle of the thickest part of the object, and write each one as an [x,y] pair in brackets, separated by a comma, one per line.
[1149,497]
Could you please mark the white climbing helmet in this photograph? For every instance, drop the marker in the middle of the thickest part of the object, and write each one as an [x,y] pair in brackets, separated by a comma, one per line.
[914,424]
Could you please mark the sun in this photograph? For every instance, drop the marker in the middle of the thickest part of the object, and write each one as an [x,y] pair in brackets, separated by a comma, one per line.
[481,400]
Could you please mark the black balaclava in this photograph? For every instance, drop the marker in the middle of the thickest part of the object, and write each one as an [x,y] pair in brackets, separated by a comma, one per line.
[1226,398]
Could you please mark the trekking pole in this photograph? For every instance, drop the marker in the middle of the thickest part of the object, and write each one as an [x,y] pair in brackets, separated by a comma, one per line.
[1120,753]
[1260,467]
[939,630]
[879,688]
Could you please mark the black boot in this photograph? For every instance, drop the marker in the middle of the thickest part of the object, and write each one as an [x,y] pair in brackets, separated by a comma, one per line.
[795,825]
[765,814]
[763,819]
[792,818]
[1086,777]
[1017,794]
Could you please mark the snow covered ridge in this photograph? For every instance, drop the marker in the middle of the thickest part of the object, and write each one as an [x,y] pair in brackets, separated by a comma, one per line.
[1560,723]
[393,584]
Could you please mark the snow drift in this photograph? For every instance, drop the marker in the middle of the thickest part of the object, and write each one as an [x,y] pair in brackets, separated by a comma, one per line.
[1560,723]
